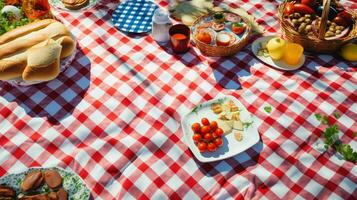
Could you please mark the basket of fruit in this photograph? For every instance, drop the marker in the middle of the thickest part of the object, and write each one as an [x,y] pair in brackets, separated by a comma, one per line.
[321,26]
[220,33]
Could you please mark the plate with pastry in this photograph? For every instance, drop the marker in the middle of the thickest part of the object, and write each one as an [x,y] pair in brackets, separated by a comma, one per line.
[36,52]
[44,183]
[219,129]
[73,5]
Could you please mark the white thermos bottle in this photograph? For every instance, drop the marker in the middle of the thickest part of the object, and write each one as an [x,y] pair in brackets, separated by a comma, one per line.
[161,24]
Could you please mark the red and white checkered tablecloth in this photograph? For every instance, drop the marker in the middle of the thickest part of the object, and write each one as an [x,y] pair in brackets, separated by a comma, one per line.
[114,118]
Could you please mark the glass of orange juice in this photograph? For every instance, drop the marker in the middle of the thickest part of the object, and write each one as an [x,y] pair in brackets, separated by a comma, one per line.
[292,53]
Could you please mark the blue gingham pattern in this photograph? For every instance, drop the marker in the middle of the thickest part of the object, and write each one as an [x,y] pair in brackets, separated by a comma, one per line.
[134,16]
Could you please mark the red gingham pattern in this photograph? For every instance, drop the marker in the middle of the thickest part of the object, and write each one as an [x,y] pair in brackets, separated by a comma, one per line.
[114,118]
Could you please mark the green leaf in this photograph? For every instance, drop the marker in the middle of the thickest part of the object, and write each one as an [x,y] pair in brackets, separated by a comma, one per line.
[318,116]
[336,115]
[324,120]
[268,109]
[355,134]
[247,124]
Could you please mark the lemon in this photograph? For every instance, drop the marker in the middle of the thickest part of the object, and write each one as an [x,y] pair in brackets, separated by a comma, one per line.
[349,52]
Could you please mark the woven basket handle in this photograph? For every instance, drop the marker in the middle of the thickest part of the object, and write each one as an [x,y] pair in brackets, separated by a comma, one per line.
[324,18]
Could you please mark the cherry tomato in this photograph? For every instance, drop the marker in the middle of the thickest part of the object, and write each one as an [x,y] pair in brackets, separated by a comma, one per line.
[215,135]
[196,127]
[218,132]
[205,129]
[202,146]
[205,121]
[289,9]
[196,137]
[211,147]
[218,142]
[310,3]
[208,136]
[213,125]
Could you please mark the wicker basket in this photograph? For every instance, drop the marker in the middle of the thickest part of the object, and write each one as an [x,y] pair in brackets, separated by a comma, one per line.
[219,51]
[314,43]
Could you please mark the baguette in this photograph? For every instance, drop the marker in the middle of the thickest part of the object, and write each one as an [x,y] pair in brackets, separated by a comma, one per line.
[43,63]
[23,30]
[53,30]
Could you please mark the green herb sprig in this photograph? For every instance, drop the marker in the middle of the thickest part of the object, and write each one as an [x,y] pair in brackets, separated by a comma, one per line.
[332,140]
[268,109]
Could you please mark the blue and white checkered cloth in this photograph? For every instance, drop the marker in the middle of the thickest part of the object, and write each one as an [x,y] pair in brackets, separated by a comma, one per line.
[134,16]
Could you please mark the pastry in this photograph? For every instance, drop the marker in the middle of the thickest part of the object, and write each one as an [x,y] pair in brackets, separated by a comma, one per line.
[75,4]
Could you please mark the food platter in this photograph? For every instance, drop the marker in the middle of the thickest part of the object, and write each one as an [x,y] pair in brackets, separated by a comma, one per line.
[248,132]
[225,26]
[58,4]
[279,64]
[71,183]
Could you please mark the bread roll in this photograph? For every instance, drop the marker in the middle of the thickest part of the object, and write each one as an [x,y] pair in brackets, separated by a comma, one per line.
[24,30]
[43,63]
[11,69]
[53,30]
[26,51]
[12,66]
[68,46]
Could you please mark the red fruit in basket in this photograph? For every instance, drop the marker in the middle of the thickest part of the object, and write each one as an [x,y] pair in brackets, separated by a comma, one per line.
[208,136]
[303,9]
[218,132]
[204,36]
[205,121]
[202,146]
[238,28]
[344,14]
[196,137]
[213,125]
[205,129]
[310,3]
[340,21]
[289,8]
[211,147]
[196,127]
[218,142]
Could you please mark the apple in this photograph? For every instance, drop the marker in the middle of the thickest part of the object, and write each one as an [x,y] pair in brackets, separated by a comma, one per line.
[276,47]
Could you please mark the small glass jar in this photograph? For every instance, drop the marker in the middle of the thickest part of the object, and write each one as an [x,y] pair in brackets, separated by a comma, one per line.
[161,24]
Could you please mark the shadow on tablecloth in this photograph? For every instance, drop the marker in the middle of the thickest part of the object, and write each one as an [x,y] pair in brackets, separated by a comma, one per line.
[55,99]
[239,162]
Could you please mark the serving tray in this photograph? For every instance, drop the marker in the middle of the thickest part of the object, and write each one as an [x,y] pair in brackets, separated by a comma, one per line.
[72,183]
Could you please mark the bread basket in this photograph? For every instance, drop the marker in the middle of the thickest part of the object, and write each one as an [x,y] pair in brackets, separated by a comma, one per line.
[317,43]
[221,51]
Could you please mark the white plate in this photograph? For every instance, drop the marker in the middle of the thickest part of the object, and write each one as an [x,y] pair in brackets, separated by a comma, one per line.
[72,183]
[277,64]
[231,146]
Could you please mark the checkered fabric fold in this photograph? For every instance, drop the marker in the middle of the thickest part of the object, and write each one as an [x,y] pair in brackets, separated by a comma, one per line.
[114,118]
